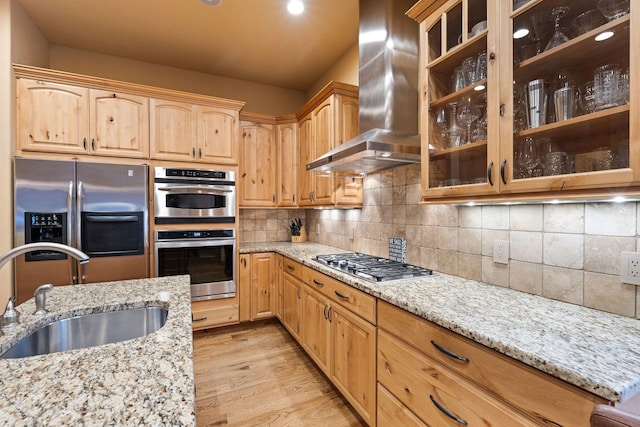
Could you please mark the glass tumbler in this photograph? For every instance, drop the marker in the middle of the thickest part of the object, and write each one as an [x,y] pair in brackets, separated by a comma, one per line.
[469,70]
[587,98]
[606,85]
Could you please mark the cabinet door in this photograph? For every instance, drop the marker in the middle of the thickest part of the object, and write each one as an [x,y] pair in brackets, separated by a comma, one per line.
[263,285]
[353,347]
[287,149]
[257,172]
[217,135]
[565,144]
[244,287]
[323,132]
[52,117]
[172,130]
[119,124]
[305,179]
[316,329]
[291,304]
[347,119]
[348,189]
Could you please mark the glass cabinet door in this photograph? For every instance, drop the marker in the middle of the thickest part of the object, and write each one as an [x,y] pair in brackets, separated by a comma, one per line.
[458,72]
[570,112]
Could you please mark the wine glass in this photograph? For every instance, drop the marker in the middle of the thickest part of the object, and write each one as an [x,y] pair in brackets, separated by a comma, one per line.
[480,131]
[468,112]
[539,28]
[558,36]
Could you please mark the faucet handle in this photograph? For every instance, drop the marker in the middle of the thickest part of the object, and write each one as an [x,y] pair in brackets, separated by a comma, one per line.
[40,297]
[11,316]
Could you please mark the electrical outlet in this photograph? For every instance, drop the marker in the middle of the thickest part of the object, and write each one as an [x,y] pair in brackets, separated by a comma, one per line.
[630,268]
[501,251]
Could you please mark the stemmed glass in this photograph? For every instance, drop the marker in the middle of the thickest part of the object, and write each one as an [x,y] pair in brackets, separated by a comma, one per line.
[558,36]
[540,27]
[468,112]
[480,131]
[528,157]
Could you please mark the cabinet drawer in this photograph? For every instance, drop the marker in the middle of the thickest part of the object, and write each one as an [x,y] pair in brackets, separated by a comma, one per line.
[434,392]
[207,314]
[391,412]
[292,267]
[537,394]
[351,298]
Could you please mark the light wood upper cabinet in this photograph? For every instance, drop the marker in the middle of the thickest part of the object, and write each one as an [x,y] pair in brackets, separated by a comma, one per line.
[217,129]
[257,165]
[62,118]
[184,131]
[329,119]
[287,166]
[511,149]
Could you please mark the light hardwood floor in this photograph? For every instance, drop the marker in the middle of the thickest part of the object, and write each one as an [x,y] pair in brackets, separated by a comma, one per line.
[257,375]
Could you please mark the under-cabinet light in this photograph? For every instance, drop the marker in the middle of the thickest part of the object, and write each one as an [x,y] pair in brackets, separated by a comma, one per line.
[605,35]
[479,88]
[619,199]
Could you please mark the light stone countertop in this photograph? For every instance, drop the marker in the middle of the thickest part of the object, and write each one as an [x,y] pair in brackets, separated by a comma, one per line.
[594,350]
[145,381]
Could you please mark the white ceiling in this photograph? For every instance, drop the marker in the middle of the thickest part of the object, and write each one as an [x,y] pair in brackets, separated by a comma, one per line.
[252,40]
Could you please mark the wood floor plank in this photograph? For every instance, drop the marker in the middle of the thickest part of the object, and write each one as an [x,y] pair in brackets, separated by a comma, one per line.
[257,375]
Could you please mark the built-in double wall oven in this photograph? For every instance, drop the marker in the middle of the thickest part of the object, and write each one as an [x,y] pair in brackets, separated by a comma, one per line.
[197,198]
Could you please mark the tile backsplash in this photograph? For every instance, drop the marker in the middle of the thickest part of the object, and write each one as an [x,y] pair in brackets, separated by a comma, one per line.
[569,252]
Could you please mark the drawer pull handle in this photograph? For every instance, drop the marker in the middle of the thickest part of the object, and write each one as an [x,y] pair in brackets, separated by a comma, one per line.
[291,267]
[386,367]
[447,412]
[318,283]
[199,319]
[449,352]
[341,296]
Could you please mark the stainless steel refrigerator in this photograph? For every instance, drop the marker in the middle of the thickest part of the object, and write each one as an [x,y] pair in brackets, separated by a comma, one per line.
[99,208]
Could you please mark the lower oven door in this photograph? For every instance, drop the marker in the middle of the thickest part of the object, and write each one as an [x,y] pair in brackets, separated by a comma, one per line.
[210,263]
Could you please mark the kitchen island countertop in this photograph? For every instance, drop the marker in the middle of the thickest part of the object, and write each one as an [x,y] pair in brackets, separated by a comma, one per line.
[144,381]
[591,349]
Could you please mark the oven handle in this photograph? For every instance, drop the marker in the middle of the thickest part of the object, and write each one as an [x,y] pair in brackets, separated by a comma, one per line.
[213,189]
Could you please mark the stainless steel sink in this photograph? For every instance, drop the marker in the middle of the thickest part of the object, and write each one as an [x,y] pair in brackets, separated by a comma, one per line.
[89,331]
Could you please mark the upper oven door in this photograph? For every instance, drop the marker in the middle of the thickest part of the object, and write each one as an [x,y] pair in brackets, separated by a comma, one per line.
[194,203]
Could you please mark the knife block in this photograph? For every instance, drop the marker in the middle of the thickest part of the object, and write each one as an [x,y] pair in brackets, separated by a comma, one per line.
[301,238]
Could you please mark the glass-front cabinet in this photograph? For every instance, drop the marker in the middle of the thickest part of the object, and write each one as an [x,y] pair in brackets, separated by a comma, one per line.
[528,98]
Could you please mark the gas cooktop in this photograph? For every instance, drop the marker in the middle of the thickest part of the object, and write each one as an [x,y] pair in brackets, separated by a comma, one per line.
[372,268]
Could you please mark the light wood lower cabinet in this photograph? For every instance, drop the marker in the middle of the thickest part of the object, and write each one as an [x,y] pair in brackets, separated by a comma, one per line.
[316,328]
[257,286]
[213,313]
[391,412]
[478,375]
[292,298]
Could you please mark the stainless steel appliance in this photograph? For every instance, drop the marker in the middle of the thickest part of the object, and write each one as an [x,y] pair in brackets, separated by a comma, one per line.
[372,268]
[99,208]
[190,196]
[207,255]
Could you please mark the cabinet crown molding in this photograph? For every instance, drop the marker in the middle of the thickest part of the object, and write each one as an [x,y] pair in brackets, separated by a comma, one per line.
[64,77]
[331,88]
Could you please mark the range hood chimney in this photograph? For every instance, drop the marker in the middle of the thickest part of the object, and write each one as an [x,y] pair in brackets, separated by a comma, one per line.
[388,94]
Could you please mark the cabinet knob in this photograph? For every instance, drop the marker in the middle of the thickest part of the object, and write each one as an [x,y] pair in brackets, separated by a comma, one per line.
[502,107]
[492,56]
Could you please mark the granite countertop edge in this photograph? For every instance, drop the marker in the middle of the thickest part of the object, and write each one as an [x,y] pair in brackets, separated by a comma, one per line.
[143,381]
[591,349]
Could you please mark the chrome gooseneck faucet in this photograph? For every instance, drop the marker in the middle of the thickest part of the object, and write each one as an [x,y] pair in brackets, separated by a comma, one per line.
[11,315]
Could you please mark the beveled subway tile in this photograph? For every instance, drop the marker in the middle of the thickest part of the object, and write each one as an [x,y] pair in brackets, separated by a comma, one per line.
[564,284]
[525,277]
[563,250]
[564,218]
[606,292]
[610,219]
[602,253]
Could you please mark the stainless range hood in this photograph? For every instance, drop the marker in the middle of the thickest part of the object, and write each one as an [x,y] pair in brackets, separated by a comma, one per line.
[388,94]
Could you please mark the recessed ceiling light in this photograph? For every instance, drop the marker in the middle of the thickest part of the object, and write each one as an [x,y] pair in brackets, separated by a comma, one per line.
[212,3]
[295,7]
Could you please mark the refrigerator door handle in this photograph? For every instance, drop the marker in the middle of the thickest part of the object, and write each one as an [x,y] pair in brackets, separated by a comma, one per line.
[74,274]
[78,213]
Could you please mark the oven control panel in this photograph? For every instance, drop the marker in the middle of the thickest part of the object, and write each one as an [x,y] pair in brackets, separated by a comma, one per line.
[227,233]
